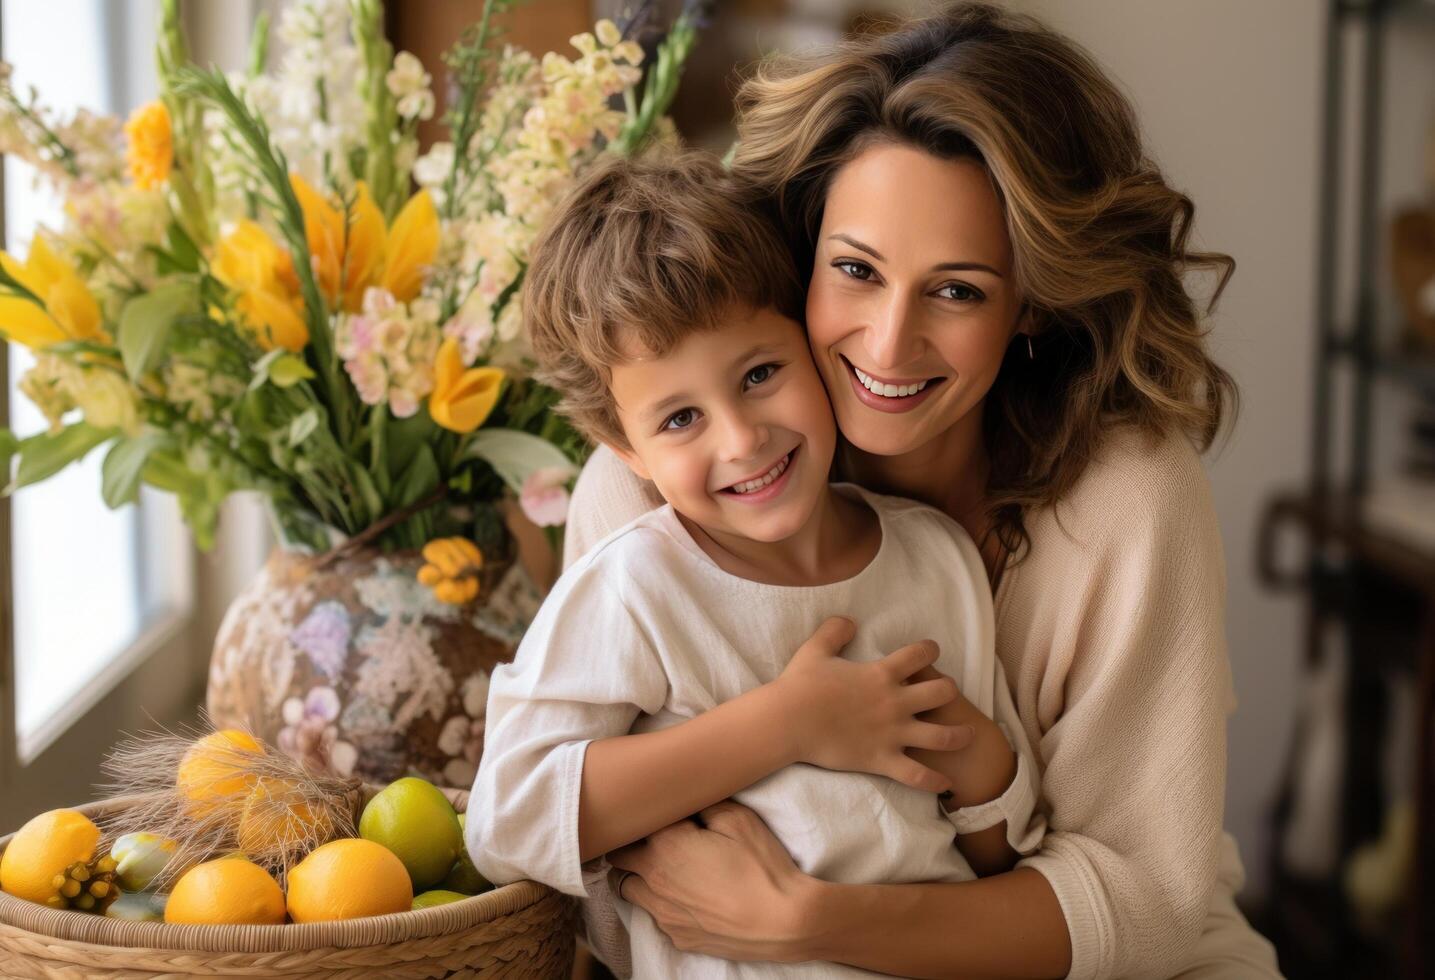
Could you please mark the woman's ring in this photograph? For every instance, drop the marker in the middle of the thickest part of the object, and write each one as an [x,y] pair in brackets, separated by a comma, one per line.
[623,881]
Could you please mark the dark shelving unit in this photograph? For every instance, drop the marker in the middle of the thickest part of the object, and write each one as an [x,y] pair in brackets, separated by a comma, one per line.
[1377,589]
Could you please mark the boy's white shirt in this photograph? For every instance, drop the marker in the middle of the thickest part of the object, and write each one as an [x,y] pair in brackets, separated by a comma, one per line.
[646,631]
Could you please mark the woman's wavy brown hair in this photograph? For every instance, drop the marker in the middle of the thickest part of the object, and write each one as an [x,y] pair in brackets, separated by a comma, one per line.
[1100,240]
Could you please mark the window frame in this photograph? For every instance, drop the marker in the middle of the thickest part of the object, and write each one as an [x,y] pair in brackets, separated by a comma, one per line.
[163,561]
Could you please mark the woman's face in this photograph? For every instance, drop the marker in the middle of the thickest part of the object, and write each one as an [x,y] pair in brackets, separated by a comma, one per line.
[912,304]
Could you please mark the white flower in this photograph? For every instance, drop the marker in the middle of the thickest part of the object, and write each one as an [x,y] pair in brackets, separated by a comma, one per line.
[417,105]
[433,167]
[407,76]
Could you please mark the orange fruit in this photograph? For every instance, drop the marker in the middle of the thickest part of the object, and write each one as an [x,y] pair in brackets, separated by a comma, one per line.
[226,891]
[275,816]
[43,849]
[213,772]
[346,879]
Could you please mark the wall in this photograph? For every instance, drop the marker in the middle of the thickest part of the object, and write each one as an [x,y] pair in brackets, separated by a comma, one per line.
[1229,95]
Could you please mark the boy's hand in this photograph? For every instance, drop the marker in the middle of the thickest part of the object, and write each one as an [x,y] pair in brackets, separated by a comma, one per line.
[860,717]
[976,776]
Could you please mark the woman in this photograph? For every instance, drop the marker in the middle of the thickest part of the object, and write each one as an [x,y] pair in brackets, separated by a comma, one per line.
[997,307]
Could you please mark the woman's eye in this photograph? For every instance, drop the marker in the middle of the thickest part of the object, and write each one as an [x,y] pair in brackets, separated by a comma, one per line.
[681,420]
[857,270]
[960,292]
[759,374]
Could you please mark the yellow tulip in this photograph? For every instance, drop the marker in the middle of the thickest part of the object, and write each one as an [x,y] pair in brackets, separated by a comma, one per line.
[150,153]
[274,318]
[462,399]
[368,254]
[248,261]
[412,245]
[69,311]
[324,232]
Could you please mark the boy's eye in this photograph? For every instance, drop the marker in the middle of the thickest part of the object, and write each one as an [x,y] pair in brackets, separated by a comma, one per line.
[681,420]
[759,374]
[960,292]
[857,270]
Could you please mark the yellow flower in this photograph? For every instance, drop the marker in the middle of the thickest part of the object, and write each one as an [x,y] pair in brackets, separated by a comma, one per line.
[368,254]
[69,311]
[249,262]
[452,569]
[151,145]
[462,399]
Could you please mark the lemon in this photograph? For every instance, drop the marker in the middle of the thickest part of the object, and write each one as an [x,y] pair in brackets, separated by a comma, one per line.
[226,891]
[212,771]
[412,818]
[41,851]
[438,897]
[346,879]
[276,816]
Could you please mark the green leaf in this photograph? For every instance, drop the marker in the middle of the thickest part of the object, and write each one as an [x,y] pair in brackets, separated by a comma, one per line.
[404,437]
[9,446]
[303,426]
[281,368]
[514,455]
[288,370]
[419,479]
[124,466]
[146,321]
[164,470]
[44,455]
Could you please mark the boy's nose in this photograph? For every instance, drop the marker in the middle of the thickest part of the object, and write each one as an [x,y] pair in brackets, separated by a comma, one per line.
[742,438]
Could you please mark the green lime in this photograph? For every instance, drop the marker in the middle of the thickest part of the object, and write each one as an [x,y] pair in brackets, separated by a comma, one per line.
[412,818]
[436,897]
[464,877]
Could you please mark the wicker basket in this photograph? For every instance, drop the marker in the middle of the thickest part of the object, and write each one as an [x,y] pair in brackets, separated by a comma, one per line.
[519,930]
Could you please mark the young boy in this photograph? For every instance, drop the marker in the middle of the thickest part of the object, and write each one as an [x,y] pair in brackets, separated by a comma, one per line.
[659,678]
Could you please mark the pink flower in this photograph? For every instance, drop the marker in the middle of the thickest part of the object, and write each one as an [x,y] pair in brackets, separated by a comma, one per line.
[544,497]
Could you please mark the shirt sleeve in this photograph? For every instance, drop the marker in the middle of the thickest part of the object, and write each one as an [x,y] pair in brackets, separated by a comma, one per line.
[984,683]
[606,497]
[1128,616]
[585,670]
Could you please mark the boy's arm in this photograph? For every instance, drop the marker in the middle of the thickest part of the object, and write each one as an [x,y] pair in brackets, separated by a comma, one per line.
[984,771]
[636,784]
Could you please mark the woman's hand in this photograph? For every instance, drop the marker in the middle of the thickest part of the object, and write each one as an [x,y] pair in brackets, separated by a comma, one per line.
[727,888]
[861,717]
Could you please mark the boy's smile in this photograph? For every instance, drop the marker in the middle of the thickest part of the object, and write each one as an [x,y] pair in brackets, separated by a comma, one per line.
[733,426]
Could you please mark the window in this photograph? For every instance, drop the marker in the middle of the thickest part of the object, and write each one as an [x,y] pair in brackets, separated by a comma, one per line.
[94,590]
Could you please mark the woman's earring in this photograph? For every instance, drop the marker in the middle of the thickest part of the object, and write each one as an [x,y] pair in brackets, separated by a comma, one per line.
[1030,354]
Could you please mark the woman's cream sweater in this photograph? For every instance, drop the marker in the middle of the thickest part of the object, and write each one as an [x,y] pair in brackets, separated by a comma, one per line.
[1111,634]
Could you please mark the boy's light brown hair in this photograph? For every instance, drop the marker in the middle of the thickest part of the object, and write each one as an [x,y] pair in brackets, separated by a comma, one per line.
[640,254]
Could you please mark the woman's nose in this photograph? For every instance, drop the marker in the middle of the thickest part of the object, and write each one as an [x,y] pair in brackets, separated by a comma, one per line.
[890,338]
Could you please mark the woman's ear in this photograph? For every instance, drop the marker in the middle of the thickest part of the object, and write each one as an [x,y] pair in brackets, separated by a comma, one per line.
[631,459]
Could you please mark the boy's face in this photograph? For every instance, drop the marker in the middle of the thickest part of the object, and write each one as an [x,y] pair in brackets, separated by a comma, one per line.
[733,425]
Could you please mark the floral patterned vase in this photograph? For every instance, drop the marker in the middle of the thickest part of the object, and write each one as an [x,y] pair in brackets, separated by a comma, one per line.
[356,669]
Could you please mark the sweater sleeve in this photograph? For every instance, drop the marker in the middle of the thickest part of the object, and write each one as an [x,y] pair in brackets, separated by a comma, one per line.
[584,671]
[1125,688]
[607,496]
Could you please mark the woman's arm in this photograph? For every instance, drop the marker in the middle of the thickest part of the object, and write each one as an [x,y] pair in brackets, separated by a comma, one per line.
[1007,925]
[729,889]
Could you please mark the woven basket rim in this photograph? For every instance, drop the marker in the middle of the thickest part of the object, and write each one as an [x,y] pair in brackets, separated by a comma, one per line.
[436,921]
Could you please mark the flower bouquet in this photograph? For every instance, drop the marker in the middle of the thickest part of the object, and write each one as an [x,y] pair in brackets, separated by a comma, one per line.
[259,284]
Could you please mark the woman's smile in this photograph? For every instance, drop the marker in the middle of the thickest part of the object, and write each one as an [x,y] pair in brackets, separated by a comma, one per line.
[887,395]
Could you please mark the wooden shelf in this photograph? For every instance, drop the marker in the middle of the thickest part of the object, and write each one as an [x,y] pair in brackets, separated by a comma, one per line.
[1337,519]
